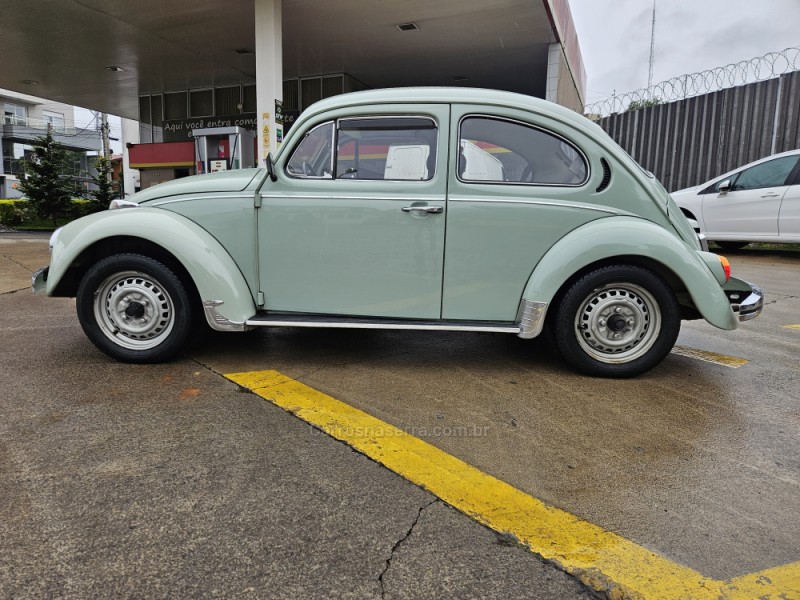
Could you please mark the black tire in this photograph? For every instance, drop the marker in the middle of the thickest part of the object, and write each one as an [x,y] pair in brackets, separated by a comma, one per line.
[617,321]
[731,245]
[135,309]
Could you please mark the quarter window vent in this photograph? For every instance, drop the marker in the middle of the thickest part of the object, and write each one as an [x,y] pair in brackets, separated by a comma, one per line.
[606,175]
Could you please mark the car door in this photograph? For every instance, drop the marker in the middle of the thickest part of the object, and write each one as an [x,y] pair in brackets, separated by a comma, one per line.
[789,216]
[354,224]
[517,186]
[750,209]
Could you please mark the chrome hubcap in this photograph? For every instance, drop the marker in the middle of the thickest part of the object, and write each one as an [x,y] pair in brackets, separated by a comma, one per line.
[618,323]
[134,310]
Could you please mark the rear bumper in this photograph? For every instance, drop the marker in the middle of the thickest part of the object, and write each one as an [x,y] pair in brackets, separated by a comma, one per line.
[39,280]
[751,306]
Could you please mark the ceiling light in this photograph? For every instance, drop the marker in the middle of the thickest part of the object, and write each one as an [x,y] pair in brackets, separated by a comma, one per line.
[114,68]
[407,27]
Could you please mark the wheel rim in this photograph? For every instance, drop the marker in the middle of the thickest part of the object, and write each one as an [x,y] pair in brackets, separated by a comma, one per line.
[618,323]
[134,310]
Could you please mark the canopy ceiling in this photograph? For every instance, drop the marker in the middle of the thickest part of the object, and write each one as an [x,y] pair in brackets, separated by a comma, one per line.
[66,45]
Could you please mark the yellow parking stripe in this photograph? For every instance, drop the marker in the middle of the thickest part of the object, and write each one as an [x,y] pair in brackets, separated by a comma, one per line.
[603,560]
[791,326]
[712,357]
[778,582]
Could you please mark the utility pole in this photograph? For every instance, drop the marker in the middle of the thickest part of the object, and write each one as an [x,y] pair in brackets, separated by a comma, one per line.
[104,130]
[652,48]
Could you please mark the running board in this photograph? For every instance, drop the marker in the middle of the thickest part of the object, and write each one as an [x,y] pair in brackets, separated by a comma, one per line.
[275,320]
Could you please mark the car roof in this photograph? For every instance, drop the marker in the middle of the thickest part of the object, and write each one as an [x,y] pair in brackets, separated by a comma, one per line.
[452,95]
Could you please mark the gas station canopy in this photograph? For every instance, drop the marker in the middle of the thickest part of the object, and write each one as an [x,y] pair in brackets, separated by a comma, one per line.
[104,54]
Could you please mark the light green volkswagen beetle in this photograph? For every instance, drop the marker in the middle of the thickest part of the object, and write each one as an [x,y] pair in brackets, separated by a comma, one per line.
[417,208]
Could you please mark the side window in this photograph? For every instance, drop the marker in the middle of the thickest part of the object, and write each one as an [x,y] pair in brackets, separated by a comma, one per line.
[497,150]
[386,148]
[313,156]
[769,174]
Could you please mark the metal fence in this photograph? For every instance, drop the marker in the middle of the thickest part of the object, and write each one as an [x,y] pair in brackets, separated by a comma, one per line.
[687,142]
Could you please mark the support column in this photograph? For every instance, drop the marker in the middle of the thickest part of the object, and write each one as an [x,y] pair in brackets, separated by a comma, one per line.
[269,75]
[130,135]
[553,71]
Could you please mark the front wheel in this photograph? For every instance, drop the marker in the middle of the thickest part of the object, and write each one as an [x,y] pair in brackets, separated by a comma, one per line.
[134,309]
[617,321]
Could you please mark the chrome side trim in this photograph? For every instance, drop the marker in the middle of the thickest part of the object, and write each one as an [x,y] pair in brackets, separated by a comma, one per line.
[501,200]
[218,322]
[530,318]
[205,196]
[370,198]
[751,306]
[351,324]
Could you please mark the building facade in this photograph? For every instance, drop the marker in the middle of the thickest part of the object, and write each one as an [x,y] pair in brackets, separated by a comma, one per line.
[26,118]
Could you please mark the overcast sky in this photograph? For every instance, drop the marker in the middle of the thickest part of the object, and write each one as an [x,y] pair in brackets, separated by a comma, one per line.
[691,36]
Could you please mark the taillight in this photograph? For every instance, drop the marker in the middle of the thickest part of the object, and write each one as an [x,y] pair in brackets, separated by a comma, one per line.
[726,266]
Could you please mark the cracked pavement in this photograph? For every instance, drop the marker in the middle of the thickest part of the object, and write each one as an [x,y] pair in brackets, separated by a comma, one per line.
[167,481]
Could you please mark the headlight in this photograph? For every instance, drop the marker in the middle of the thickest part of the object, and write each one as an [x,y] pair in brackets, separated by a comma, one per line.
[119,203]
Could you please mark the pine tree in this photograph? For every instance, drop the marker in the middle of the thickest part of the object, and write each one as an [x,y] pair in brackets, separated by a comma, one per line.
[48,190]
[106,189]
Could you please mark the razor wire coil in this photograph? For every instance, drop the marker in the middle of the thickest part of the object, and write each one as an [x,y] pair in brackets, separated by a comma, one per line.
[760,68]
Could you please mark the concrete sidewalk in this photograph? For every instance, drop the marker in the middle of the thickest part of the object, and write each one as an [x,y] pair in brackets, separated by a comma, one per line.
[169,481]
[21,253]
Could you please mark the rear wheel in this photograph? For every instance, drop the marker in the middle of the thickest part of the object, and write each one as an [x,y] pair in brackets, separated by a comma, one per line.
[135,309]
[617,321]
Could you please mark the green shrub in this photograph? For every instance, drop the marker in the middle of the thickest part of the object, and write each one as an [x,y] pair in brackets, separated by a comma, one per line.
[19,213]
[13,212]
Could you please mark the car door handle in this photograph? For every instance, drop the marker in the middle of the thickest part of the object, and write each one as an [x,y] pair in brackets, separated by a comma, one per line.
[771,195]
[424,209]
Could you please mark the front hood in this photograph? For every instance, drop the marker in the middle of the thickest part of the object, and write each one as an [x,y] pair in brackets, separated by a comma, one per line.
[686,191]
[235,180]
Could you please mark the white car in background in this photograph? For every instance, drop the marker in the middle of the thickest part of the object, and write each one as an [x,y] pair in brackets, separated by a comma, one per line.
[759,202]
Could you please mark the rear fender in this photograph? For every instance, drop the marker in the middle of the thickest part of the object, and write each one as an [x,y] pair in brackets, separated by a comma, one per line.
[629,238]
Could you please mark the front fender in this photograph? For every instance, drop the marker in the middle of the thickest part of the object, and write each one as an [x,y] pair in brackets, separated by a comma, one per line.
[628,236]
[213,271]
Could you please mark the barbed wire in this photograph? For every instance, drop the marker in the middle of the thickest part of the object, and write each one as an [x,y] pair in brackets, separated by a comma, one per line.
[760,68]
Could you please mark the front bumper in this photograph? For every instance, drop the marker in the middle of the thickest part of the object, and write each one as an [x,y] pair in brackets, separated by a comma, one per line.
[39,280]
[746,299]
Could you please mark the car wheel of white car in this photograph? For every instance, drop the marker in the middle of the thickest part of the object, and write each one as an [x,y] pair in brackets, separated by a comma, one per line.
[728,246]
[134,308]
[617,321]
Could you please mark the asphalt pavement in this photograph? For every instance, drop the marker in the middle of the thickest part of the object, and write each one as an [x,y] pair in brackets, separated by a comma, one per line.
[170,481]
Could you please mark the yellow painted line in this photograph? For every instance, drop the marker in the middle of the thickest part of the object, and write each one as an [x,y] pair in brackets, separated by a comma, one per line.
[712,357]
[791,326]
[767,583]
[603,560]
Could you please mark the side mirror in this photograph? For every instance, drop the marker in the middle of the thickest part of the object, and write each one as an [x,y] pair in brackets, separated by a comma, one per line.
[725,187]
[271,168]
